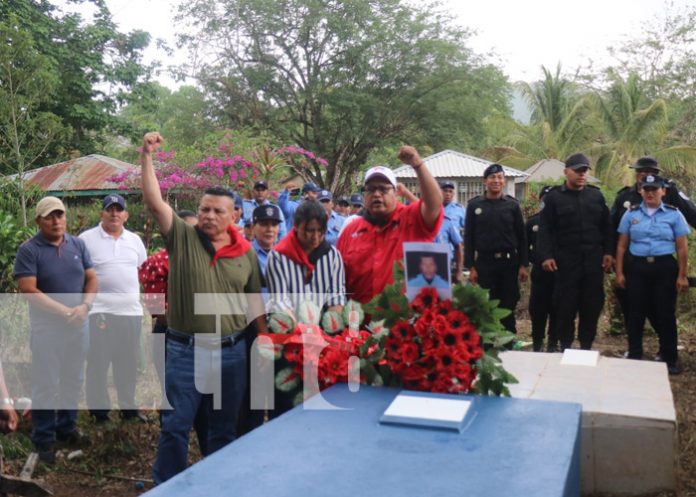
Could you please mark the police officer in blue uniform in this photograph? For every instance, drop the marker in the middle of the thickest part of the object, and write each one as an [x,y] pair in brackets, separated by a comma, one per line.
[335,222]
[630,195]
[288,206]
[261,193]
[652,232]
[495,243]
[356,203]
[453,209]
[575,241]
[449,235]
[541,307]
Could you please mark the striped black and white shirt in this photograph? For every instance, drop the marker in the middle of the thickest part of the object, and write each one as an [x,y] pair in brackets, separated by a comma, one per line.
[286,281]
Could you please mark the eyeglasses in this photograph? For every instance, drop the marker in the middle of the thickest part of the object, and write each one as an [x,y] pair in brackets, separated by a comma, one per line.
[382,189]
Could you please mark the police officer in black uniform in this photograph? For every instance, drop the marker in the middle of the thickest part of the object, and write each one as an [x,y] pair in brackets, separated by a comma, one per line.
[495,243]
[576,243]
[629,196]
[541,307]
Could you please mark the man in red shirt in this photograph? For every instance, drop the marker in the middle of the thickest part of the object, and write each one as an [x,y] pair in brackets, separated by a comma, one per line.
[370,244]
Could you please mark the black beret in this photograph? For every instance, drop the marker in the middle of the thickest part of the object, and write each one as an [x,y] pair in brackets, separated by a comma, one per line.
[646,162]
[493,169]
[577,161]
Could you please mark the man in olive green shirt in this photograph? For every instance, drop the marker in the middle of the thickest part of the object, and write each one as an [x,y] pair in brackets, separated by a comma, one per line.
[209,258]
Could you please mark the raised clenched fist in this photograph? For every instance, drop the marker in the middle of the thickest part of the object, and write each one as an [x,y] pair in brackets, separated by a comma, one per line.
[152,142]
[409,155]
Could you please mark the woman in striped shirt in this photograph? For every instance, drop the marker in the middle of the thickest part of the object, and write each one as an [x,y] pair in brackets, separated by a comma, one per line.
[304,266]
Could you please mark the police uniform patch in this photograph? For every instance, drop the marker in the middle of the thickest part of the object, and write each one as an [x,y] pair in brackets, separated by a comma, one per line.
[478,211]
[535,227]
[635,221]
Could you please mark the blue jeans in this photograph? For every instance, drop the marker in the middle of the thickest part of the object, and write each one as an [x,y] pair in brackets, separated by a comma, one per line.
[57,373]
[226,365]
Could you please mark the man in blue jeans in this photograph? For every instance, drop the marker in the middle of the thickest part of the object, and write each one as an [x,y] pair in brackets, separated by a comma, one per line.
[205,350]
[54,271]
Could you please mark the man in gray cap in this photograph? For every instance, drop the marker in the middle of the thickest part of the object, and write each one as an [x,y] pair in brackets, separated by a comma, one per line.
[576,242]
[115,320]
[54,271]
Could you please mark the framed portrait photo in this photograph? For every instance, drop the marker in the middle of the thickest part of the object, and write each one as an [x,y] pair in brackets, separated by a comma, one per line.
[427,265]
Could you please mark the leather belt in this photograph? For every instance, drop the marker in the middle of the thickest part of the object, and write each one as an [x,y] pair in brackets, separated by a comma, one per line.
[200,340]
[652,258]
[498,255]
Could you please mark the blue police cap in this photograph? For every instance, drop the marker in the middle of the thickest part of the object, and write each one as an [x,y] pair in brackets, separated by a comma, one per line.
[310,187]
[653,181]
[266,212]
[324,195]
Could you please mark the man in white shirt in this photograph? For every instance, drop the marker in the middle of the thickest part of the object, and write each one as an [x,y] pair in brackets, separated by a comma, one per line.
[115,319]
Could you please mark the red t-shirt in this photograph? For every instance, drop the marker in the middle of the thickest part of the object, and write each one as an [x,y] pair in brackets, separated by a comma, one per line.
[369,251]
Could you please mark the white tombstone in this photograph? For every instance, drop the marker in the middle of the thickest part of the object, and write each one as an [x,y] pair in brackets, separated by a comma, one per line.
[629,423]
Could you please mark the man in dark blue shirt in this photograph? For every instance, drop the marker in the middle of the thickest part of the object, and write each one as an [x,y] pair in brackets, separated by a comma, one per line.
[54,271]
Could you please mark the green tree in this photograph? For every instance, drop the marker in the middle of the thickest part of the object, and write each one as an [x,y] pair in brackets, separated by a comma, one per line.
[27,80]
[340,78]
[664,56]
[182,116]
[95,69]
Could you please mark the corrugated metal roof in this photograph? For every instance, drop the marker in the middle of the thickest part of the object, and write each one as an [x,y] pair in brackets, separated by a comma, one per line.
[548,170]
[453,164]
[84,173]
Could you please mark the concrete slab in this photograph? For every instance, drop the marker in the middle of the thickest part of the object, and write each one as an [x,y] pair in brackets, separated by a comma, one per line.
[509,447]
[628,423]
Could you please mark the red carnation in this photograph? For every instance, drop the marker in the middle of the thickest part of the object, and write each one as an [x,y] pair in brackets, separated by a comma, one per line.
[457,319]
[440,324]
[444,358]
[403,329]
[445,307]
[393,347]
[333,367]
[409,352]
[293,353]
[426,299]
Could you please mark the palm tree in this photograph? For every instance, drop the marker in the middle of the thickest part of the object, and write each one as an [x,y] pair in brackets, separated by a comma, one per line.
[562,123]
[634,126]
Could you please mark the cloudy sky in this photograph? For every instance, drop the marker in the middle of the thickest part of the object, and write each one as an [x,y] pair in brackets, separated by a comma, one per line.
[523,34]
